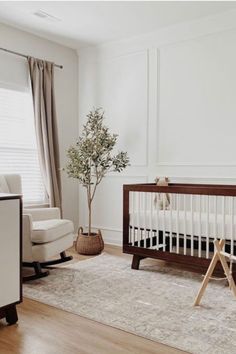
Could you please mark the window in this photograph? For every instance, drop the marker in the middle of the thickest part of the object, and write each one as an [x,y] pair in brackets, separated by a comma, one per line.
[18,150]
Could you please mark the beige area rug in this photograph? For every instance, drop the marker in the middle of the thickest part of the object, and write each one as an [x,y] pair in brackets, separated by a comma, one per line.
[154,302]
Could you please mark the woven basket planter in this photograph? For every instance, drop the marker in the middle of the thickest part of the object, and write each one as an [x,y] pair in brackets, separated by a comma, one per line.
[89,245]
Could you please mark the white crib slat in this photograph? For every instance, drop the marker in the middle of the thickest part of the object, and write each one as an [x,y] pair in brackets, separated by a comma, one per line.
[134,221]
[207,227]
[164,221]
[192,228]
[223,219]
[151,218]
[157,222]
[215,212]
[170,214]
[200,228]
[138,221]
[132,213]
[145,220]
[185,220]
[177,224]
[232,226]
[136,213]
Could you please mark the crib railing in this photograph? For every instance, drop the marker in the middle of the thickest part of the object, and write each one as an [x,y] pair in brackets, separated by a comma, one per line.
[186,223]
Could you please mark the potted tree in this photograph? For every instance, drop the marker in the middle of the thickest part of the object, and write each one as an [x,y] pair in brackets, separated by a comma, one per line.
[89,161]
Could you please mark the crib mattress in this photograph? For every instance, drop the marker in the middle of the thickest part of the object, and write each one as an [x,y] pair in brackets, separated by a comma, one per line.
[186,223]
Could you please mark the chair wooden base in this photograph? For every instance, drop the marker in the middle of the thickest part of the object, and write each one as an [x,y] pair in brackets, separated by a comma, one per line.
[39,273]
[64,258]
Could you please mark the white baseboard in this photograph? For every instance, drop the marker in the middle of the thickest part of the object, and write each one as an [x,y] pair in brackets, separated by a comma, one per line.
[112,237]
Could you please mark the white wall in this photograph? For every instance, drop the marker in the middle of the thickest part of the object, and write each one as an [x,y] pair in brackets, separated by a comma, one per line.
[171,96]
[66,96]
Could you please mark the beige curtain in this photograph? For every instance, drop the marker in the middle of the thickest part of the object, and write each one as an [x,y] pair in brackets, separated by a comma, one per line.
[42,82]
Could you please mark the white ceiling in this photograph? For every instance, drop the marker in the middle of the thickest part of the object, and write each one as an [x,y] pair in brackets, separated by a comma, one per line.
[94,22]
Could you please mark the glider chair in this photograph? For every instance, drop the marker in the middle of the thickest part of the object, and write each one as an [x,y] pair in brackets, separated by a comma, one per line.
[45,234]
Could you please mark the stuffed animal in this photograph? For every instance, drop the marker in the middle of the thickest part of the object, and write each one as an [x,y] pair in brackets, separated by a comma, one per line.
[162,199]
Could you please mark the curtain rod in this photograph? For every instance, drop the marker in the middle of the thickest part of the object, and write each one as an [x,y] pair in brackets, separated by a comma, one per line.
[25,56]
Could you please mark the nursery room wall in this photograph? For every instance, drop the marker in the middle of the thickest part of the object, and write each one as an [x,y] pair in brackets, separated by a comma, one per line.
[170,95]
[66,92]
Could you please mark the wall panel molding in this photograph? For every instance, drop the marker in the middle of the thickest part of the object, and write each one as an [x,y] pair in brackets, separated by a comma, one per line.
[189,164]
[131,176]
[123,91]
[203,179]
[200,123]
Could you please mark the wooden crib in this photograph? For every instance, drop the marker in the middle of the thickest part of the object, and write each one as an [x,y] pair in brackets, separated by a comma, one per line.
[182,231]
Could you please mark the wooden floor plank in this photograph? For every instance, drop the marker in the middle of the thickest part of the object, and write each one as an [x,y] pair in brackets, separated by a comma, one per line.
[43,329]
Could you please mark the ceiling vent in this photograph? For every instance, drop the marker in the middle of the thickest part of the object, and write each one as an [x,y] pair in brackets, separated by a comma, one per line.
[44,15]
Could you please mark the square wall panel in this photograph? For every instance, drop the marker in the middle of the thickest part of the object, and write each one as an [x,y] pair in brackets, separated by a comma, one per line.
[122,91]
[198,101]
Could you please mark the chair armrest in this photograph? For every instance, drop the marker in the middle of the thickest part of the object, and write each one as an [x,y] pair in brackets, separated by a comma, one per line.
[39,214]
[26,242]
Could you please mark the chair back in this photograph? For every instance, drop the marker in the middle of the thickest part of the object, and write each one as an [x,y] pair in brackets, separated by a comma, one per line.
[10,183]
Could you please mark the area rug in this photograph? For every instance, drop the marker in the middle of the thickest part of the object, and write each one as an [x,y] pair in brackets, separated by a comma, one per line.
[154,302]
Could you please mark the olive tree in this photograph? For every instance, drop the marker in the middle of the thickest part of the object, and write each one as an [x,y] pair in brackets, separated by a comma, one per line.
[91,158]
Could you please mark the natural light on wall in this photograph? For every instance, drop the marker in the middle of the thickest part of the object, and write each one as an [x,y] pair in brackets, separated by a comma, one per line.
[18,150]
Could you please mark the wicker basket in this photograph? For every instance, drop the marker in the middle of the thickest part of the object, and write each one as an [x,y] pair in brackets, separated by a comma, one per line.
[89,245]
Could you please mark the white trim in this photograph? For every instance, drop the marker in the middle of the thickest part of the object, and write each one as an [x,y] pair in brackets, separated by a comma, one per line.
[106,228]
[190,164]
[202,179]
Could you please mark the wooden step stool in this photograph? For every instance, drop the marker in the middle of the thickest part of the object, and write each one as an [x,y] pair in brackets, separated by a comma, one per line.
[219,255]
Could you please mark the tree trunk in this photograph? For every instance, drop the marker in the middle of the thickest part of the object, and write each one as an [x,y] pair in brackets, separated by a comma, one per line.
[90,218]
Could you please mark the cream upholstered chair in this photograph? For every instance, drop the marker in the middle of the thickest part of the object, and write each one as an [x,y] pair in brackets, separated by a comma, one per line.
[45,234]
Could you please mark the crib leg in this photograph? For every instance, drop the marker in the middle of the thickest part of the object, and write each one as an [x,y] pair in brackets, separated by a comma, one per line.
[136,261]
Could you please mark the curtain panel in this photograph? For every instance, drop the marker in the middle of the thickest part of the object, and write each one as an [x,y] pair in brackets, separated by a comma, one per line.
[42,83]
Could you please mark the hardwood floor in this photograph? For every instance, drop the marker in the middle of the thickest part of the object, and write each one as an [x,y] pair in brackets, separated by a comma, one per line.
[43,329]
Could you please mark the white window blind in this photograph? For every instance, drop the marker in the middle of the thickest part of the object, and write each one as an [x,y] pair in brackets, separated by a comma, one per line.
[18,150]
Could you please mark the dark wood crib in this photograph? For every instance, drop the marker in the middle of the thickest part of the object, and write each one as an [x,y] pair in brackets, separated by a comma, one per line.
[178,223]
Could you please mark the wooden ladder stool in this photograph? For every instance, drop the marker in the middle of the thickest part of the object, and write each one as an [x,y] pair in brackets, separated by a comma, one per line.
[219,255]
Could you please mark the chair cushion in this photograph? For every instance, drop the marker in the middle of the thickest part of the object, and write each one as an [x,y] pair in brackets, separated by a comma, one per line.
[43,252]
[51,230]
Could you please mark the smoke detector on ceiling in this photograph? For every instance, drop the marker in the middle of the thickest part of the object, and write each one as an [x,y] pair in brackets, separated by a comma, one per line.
[46,16]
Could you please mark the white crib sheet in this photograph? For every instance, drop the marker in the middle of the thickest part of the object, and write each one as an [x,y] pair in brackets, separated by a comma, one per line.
[173,221]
